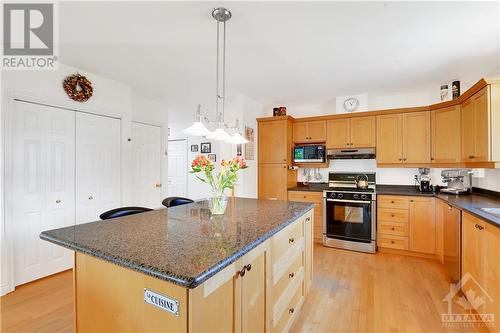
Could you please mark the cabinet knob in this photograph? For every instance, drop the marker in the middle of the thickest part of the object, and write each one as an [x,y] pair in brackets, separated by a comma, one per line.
[308,219]
[91,198]
[480,227]
[284,160]
[291,310]
[404,159]
[242,272]
[291,275]
[284,167]
[392,215]
[471,156]
[248,267]
[411,200]
[58,201]
[291,240]
[400,159]
[392,242]
[392,228]
[432,158]
[392,202]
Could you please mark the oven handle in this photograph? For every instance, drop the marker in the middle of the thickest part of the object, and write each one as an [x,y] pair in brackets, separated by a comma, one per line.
[350,201]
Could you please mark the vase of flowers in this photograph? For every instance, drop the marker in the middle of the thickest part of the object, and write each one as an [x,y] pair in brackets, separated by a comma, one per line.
[225,178]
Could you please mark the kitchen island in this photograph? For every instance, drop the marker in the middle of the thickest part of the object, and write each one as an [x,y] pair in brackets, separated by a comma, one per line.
[181,269]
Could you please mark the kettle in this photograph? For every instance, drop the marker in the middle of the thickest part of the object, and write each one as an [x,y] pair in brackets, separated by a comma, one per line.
[362,181]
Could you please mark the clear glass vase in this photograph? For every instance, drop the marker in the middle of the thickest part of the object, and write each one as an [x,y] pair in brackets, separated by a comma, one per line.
[217,204]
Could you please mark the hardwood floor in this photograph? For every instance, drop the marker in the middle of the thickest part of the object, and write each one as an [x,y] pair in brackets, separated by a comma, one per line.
[357,292]
[351,292]
[45,305]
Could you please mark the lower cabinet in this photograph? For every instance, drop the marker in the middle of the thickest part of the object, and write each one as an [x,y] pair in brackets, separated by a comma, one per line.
[481,265]
[317,199]
[406,223]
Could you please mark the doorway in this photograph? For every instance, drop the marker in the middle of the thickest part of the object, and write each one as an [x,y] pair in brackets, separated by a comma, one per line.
[177,168]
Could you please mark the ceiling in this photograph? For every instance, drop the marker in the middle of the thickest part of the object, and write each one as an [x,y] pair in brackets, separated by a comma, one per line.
[281,52]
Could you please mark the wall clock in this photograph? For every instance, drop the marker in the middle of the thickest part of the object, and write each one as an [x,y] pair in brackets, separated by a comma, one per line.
[351,104]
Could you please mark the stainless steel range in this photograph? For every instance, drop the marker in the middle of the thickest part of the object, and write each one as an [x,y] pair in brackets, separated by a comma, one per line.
[349,215]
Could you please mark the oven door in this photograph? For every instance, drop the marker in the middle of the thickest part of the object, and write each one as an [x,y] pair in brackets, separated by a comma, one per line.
[349,220]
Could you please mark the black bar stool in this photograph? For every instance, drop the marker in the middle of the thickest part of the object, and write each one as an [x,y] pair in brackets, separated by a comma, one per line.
[175,201]
[123,211]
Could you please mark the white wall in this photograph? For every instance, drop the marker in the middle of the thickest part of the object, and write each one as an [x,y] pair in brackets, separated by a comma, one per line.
[110,98]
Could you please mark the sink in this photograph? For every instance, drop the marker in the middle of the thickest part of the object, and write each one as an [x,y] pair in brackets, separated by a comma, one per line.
[492,210]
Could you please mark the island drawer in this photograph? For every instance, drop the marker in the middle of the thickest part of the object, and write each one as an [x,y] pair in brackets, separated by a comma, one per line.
[306,196]
[392,241]
[288,238]
[392,215]
[283,321]
[391,201]
[294,271]
[392,228]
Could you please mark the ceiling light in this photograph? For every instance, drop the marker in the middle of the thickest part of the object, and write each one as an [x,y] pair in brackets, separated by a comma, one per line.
[197,129]
[219,135]
[237,139]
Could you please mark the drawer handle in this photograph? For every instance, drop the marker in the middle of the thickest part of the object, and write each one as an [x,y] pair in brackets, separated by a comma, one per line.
[480,227]
[291,275]
[471,156]
[392,201]
[248,267]
[291,310]
[58,201]
[305,196]
[392,242]
[392,215]
[392,228]
[291,240]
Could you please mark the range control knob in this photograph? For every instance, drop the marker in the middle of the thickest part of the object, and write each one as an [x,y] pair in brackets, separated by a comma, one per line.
[356,196]
[332,195]
[340,195]
[364,196]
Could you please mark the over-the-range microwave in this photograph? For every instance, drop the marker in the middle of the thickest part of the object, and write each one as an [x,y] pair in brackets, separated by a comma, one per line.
[309,154]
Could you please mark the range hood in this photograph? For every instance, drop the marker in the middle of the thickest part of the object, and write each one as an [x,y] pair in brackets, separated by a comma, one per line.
[351,154]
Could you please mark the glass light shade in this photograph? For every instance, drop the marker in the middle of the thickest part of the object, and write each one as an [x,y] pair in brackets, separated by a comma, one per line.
[219,135]
[237,139]
[197,129]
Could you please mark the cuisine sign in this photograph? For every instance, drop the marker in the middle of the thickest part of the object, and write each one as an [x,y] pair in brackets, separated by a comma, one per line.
[160,301]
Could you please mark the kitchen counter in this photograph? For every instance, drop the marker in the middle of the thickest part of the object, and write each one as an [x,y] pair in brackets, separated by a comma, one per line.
[471,203]
[184,244]
[311,187]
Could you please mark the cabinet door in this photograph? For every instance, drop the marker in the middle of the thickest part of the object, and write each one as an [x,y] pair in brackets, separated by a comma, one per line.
[253,293]
[492,270]
[273,142]
[473,251]
[363,132]
[337,133]
[417,137]
[389,138]
[467,115]
[481,126]
[316,131]
[440,213]
[445,124]
[300,132]
[308,250]
[422,225]
[273,181]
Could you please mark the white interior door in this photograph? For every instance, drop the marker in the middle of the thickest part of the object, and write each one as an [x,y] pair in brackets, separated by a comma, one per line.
[177,168]
[97,166]
[43,176]
[146,165]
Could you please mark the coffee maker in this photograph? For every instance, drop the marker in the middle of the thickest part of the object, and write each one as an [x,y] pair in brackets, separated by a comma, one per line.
[458,181]
[423,180]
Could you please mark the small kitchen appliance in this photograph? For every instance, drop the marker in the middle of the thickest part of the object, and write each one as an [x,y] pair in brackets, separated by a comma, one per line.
[459,181]
[349,211]
[423,180]
[309,154]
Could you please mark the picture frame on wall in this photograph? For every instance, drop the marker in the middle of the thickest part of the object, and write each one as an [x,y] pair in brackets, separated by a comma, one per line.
[206,147]
[194,148]
[212,157]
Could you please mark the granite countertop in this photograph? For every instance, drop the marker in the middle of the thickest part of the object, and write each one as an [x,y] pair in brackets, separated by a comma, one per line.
[310,187]
[184,245]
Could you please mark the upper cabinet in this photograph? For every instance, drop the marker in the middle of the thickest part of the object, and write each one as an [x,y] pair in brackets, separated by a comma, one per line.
[274,141]
[356,132]
[403,138]
[475,127]
[445,138]
[309,131]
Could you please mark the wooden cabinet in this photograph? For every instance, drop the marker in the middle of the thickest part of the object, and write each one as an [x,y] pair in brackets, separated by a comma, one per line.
[275,156]
[445,135]
[475,127]
[492,271]
[252,288]
[403,138]
[422,225]
[406,223]
[356,132]
[309,131]
[317,199]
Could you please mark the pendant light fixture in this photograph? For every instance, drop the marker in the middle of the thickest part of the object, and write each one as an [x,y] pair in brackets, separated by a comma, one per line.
[221,16]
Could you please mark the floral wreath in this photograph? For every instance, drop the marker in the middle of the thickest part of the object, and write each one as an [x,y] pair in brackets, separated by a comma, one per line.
[78,87]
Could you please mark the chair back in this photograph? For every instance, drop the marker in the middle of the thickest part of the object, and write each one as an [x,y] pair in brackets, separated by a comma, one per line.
[123,211]
[175,201]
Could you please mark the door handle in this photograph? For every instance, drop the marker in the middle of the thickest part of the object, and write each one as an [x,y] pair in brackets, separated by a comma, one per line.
[158,185]
[58,201]
[91,198]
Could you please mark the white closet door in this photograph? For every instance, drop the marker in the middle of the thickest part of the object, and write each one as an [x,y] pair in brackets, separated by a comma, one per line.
[42,187]
[146,165]
[97,166]
[177,168]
